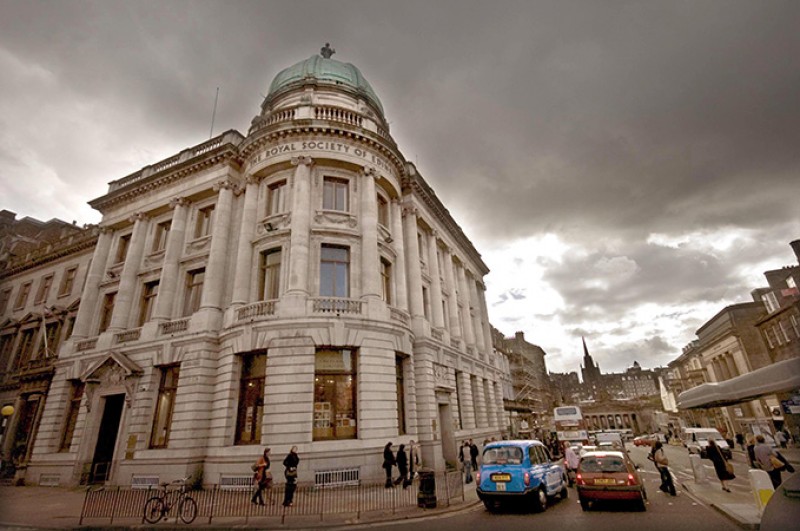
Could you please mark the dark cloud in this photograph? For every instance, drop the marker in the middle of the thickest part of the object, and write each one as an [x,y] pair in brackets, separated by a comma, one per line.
[601,122]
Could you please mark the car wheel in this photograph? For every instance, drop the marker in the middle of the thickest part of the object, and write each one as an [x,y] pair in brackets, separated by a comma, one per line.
[540,502]
[564,491]
[490,505]
[584,504]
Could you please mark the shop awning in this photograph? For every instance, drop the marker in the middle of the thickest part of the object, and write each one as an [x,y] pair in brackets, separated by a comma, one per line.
[781,377]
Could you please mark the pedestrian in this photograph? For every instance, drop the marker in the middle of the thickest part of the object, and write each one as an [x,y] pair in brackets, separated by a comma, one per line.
[464,455]
[659,457]
[402,466]
[473,455]
[780,438]
[413,459]
[262,478]
[571,461]
[388,462]
[750,444]
[740,441]
[290,463]
[768,461]
[722,467]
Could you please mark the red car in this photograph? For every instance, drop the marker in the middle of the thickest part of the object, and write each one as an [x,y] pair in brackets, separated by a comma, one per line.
[609,477]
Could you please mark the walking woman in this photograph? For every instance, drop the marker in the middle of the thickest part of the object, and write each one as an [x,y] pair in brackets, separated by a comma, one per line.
[402,466]
[658,456]
[262,478]
[388,463]
[724,472]
[290,473]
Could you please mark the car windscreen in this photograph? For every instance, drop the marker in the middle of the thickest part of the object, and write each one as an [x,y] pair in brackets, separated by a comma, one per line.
[609,463]
[502,455]
[707,435]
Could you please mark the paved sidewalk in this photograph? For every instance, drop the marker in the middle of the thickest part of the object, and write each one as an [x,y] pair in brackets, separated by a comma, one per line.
[738,505]
[60,508]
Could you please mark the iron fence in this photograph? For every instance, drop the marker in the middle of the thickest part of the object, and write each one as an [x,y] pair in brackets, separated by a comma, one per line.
[310,501]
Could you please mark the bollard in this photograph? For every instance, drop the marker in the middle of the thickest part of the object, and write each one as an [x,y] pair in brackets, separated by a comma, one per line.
[426,495]
[698,469]
[762,487]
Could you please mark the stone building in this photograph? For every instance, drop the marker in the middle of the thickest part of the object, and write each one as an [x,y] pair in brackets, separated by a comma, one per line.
[42,267]
[298,285]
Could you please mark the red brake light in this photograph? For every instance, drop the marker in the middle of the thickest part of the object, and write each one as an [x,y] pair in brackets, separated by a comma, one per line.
[579,479]
[631,479]
[527,479]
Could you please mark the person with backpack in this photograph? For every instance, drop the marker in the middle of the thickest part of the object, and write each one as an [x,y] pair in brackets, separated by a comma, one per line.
[659,458]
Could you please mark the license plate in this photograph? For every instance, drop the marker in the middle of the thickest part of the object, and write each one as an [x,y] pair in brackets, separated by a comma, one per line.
[604,481]
[501,486]
[501,477]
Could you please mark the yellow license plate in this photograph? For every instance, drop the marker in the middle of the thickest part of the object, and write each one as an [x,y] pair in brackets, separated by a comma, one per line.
[604,481]
[501,477]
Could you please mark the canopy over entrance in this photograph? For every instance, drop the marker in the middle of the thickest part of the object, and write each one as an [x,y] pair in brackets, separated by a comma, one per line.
[781,377]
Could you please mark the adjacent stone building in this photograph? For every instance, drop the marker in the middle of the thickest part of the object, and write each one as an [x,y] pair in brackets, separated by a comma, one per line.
[298,285]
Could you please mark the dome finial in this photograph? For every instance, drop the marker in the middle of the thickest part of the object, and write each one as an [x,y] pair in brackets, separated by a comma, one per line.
[327,51]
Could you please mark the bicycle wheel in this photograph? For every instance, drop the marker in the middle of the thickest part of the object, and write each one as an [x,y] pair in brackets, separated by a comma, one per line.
[154,510]
[187,510]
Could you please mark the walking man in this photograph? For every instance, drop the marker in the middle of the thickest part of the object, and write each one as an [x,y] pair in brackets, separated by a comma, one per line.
[464,455]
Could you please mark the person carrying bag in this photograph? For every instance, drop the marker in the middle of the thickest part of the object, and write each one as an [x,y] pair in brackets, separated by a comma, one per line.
[262,478]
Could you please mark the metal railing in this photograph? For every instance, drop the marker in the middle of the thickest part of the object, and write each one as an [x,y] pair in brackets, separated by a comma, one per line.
[228,506]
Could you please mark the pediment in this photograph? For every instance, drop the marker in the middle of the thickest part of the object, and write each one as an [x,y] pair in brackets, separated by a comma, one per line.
[112,366]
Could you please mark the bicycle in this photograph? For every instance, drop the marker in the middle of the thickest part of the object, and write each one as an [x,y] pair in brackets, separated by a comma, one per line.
[157,507]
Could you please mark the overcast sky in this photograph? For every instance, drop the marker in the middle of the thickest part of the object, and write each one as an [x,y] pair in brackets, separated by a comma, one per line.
[626,169]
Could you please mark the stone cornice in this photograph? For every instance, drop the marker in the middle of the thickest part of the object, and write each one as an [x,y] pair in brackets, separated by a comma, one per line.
[36,259]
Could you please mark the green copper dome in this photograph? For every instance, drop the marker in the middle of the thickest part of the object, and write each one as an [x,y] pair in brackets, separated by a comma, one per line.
[326,71]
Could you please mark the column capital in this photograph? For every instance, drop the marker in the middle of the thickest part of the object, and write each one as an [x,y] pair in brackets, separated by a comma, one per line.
[179,202]
[138,216]
[369,171]
[302,160]
[409,209]
[252,179]
[225,184]
[105,230]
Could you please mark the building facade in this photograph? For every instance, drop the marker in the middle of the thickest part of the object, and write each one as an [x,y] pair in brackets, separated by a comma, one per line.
[298,285]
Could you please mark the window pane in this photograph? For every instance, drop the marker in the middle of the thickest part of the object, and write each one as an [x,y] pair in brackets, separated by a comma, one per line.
[165,405]
[251,399]
[334,395]
[72,416]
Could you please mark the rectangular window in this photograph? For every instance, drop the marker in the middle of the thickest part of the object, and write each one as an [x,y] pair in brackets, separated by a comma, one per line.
[795,326]
[334,272]
[335,194]
[194,291]
[334,394]
[205,219]
[76,394]
[122,248]
[6,347]
[49,346]
[386,281]
[426,303]
[106,310]
[67,281]
[251,399]
[777,336]
[5,296]
[276,198]
[270,274]
[22,296]
[25,347]
[784,330]
[165,404]
[401,396]
[383,211]
[44,289]
[160,237]
[149,294]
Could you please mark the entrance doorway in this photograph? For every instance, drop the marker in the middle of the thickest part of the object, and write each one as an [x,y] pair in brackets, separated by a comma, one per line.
[448,435]
[107,438]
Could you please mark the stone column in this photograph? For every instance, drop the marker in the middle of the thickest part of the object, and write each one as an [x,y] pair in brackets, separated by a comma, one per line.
[436,283]
[487,332]
[401,299]
[370,262]
[91,289]
[477,324]
[498,405]
[168,285]
[465,401]
[130,271]
[413,267]
[491,412]
[464,295]
[452,301]
[300,238]
[480,402]
[244,254]
[214,285]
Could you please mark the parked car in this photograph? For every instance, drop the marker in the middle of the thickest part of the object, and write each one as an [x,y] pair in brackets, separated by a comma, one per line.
[643,440]
[587,448]
[609,476]
[520,470]
[696,441]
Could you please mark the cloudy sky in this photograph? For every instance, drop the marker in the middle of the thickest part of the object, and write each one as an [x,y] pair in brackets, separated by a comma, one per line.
[626,169]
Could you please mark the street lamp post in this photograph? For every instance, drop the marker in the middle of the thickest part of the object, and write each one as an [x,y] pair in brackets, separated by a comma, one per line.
[6,412]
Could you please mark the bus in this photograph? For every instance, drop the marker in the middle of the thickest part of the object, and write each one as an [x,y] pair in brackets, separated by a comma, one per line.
[570,425]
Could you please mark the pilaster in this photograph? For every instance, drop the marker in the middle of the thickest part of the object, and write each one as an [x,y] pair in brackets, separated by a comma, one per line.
[130,271]
[91,289]
[436,283]
[168,285]
[300,237]
[401,289]
[370,264]
[244,253]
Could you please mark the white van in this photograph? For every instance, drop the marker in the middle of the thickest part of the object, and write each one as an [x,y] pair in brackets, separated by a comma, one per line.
[696,440]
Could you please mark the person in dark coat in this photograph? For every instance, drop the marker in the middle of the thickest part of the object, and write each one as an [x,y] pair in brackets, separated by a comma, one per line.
[290,473]
[262,478]
[388,462]
[402,466]
[715,454]
[473,452]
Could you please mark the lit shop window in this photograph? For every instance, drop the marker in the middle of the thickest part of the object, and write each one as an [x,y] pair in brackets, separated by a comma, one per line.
[162,421]
[251,399]
[334,394]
